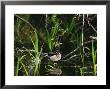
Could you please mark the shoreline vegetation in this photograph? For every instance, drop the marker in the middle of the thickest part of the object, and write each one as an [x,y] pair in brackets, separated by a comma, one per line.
[74,35]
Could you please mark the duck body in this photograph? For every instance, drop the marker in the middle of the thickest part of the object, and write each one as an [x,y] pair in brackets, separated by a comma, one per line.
[53,56]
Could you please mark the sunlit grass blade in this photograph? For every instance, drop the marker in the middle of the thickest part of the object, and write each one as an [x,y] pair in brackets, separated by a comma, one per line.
[32,42]
[36,43]
[72,25]
[49,40]
[94,58]
[82,71]
[17,68]
[36,71]
[93,53]
[18,62]
[82,57]
[24,68]
[81,50]
[95,69]
[37,56]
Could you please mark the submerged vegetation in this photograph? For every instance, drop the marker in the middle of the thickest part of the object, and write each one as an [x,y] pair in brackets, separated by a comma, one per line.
[73,35]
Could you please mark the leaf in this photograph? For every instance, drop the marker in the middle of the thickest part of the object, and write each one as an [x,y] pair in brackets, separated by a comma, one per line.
[18,62]
[36,43]
[49,40]
[93,53]
[24,68]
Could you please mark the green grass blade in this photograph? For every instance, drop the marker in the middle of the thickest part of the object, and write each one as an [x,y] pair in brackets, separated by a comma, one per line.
[82,57]
[18,62]
[94,58]
[32,42]
[49,40]
[17,68]
[93,53]
[30,53]
[81,71]
[36,70]
[36,43]
[24,68]
[72,25]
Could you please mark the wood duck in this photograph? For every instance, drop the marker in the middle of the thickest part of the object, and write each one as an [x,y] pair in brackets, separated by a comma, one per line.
[56,56]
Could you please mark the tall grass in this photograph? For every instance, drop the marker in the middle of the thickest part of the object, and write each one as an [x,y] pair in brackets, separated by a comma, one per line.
[94,59]
[52,33]
[18,65]
[75,45]
[38,55]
